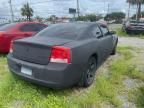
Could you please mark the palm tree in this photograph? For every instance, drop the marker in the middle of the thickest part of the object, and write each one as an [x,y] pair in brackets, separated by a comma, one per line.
[138,3]
[27,11]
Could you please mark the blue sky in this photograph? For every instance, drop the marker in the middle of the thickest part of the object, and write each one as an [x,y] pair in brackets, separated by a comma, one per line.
[46,8]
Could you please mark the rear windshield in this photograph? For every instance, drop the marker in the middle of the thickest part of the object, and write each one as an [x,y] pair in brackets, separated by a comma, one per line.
[66,31]
[7,27]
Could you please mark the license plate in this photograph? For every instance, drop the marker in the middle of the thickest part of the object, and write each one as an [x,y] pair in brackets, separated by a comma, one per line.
[26,71]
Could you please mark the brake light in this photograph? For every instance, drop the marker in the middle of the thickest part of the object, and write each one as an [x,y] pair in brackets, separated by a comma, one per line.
[60,55]
[11,47]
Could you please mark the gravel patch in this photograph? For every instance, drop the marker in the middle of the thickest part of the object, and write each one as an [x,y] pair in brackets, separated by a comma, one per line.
[131,41]
[17,104]
[132,83]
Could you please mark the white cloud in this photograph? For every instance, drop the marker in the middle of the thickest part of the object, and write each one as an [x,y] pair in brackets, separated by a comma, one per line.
[60,7]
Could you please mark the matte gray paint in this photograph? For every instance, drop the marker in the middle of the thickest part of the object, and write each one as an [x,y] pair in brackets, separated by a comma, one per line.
[62,75]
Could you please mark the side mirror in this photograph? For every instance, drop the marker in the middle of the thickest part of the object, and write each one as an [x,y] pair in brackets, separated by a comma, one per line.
[112,32]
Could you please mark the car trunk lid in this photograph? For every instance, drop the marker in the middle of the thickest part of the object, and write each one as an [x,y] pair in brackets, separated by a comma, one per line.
[36,49]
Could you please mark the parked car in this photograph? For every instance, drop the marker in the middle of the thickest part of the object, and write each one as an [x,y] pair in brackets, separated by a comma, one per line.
[63,55]
[133,27]
[13,31]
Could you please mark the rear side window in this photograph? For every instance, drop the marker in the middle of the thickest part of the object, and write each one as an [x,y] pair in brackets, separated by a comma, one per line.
[7,26]
[96,31]
[66,31]
[104,29]
[32,27]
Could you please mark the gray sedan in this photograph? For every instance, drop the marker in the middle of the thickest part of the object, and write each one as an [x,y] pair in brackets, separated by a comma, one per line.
[63,55]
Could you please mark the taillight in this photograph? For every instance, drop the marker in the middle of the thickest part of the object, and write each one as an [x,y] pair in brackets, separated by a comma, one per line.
[60,54]
[11,47]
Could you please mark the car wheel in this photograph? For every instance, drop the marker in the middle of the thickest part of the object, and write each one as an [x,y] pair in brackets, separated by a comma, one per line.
[115,49]
[128,32]
[89,76]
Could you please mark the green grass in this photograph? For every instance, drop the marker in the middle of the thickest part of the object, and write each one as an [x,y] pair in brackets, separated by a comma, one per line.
[137,96]
[126,67]
[137,75]
[121,33]
[15,92]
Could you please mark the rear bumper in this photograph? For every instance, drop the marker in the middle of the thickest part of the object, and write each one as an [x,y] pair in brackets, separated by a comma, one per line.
[52,75]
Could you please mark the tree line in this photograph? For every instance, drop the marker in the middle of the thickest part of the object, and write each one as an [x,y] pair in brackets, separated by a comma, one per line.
[27,11]
[138,3]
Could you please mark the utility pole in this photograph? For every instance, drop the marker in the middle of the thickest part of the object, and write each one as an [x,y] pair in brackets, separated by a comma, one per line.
[11,10]
[108,12]
[104,7]
[137,13]
[129,11]
[78,9]
[108,8]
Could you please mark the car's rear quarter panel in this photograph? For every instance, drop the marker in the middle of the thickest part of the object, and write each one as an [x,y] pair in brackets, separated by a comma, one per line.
[81,52]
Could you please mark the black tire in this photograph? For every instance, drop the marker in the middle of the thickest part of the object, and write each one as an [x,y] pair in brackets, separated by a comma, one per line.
[89,76]
[115,49]
[128,32]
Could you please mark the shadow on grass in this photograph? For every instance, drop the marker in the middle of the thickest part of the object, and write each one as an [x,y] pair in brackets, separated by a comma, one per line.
[140,98]
[14,89]
[42,90]
[3,55]
[45,90]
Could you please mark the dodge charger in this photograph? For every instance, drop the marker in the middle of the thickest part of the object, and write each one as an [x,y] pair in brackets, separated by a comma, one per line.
[63,55]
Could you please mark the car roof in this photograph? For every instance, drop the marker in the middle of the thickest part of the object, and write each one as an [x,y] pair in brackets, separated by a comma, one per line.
[82,24]
[78,24]
[15,25]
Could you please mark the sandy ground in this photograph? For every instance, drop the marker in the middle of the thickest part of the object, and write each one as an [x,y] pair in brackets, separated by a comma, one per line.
[131,41]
